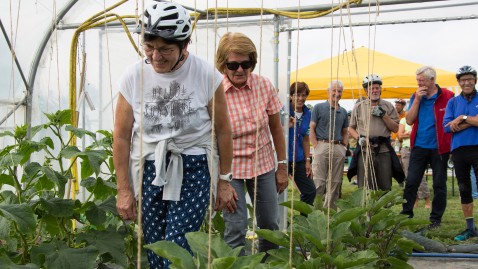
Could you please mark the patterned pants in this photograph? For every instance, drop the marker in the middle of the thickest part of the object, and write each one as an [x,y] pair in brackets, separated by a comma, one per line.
[171,220]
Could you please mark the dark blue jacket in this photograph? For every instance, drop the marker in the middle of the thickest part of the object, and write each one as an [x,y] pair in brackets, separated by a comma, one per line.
[302,130]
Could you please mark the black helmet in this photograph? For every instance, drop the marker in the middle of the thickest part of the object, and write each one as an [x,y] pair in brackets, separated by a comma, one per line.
[371,79]
[464,70]
[168,20]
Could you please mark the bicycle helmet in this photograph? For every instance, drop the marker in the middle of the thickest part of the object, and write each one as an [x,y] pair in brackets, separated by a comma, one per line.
[166,20]
[371,79]
[464,70]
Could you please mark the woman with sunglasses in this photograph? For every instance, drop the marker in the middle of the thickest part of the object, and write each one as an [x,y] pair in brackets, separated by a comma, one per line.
[254,108]
[163,129]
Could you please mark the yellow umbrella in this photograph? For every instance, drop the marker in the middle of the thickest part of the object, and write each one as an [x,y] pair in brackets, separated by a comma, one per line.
[398,75]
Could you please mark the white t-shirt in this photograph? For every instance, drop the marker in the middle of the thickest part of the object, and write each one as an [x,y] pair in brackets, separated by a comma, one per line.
[175,103]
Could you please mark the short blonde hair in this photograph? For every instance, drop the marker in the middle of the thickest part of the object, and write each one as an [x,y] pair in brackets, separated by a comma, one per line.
[236,43]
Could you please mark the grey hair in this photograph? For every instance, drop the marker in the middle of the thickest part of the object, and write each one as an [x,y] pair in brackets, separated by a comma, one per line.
[427,71]
[337,83]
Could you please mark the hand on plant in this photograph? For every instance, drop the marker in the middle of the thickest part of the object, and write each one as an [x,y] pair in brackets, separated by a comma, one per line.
[126,205]
[378,111]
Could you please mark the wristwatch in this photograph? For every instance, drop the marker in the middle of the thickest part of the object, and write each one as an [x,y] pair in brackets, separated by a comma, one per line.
[464,118]
[226,177]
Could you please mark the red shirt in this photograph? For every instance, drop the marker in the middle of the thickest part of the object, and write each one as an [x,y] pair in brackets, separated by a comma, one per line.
[249,108]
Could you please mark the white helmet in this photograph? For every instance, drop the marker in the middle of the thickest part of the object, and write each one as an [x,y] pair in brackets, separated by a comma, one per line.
[166,20]
[371,79]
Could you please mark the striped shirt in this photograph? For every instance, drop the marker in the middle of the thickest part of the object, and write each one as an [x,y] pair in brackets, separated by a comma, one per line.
[258,95]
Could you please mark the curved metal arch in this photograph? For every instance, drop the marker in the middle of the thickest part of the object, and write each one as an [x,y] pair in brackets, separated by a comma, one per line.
[37,58]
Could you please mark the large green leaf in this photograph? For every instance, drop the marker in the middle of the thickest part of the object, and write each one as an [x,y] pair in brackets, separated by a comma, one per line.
[21,214]
[79,132]
[6,180]
[313,263]
[57,255]
[58,207]
[339,231]
[300,206]
[12,159]
[348,215]
[248,262]
[100,188]
[283,254]
[4,229]
[92,160]
[95,215]
[60,117]
[223,263]
[108,205]
[199,243]
[108,241]
[70,152]
[276,237]
[178,256]
[6,263]
[355,259]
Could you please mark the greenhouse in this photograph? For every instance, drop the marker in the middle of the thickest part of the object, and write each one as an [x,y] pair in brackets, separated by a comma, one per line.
[62,64]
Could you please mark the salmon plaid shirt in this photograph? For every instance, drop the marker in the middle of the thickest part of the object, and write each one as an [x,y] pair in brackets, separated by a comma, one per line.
[258,95]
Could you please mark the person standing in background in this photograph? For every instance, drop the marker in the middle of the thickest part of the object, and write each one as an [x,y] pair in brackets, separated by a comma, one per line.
[329,136]
[400,107]
[429,143]
[299,143]
[404,131]
[461,120]
[254,108]
[374,161]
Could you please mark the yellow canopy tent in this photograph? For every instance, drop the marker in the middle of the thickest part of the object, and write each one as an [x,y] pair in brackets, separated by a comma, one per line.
[398,75]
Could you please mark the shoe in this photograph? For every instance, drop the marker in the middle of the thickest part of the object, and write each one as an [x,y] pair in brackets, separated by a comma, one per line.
[434,225]
[463,236]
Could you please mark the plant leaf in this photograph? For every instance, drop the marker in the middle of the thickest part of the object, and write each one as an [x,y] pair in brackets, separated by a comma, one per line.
[56,255]
[6,263]
[21,214]
[178,256]
[276,237]
[107,241]
[58,207]
[300,206]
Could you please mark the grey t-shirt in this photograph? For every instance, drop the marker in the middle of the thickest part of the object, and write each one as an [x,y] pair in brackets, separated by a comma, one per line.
[322,117]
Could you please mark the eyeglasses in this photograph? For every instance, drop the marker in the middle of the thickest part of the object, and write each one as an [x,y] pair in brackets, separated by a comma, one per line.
[235,65]
[163,51]
[463,80]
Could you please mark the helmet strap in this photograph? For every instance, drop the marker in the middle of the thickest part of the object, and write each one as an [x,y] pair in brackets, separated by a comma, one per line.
[181,57]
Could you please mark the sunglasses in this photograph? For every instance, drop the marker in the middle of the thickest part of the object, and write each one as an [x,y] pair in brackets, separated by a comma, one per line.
[235,65]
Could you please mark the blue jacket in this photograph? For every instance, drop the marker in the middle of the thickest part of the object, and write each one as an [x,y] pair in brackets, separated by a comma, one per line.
[301,132]
[460,106]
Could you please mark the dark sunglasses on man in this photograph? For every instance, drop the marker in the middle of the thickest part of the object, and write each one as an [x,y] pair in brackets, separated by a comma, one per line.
[233,66]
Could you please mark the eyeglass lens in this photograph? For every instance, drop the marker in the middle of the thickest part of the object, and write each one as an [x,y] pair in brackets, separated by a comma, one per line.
[235,65]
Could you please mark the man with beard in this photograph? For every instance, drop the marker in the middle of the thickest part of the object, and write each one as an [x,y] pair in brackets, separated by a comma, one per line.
[373,120]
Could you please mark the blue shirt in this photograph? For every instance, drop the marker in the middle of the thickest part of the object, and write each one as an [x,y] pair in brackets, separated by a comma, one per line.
[460,106]
[302,130]
[426,133]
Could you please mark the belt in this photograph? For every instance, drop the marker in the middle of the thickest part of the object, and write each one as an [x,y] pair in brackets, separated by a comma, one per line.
[330,141]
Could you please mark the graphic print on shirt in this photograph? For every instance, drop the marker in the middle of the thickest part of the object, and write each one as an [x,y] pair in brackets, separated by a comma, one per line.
[168,109]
